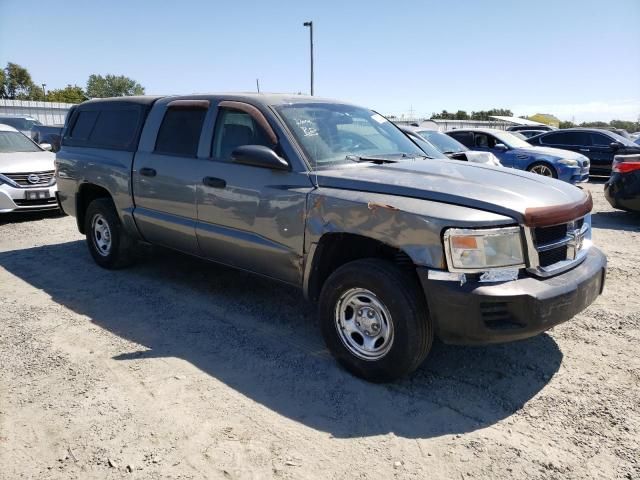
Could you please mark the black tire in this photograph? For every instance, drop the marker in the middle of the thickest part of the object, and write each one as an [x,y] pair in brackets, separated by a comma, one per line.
[400,293]
[532,167]
[122,247]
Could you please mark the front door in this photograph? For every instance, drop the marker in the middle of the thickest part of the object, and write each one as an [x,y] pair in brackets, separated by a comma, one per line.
[250,217]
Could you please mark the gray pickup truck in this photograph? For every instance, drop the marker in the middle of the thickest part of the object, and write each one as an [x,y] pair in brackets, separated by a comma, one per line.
[394,246]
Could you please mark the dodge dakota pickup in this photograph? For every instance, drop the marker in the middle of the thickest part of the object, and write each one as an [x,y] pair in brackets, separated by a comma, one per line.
[395,247]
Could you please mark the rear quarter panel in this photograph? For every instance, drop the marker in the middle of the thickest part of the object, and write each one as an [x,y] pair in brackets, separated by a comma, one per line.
[109,169]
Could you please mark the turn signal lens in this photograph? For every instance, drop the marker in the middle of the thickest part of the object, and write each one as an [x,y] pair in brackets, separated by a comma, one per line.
[464,242]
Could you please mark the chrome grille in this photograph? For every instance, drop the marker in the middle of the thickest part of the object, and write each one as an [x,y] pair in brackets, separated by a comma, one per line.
[556,248]
[31,179]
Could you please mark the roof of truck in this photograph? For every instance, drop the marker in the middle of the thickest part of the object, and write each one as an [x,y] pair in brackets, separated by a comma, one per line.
[261,98]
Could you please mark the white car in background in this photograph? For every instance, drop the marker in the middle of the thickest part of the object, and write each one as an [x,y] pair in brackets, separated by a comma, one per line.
[454,149]
[27,179]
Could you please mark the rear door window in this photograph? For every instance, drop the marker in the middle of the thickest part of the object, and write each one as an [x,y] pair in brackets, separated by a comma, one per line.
[179,133]
[234,129]
[465,138]
[566,138]
[84,124]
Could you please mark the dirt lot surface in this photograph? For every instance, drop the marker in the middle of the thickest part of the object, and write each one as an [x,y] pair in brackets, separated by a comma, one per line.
[177,368]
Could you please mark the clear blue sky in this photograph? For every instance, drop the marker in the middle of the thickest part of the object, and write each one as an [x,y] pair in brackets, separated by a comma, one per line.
[574,58]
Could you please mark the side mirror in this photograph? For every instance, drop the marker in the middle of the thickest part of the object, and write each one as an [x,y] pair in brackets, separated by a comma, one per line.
[501,146]
[258,156]
[46,146]
[615,145]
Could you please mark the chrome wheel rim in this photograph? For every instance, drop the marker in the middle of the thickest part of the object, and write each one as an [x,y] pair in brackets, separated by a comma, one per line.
[101,234]
[364,324]
[543,170]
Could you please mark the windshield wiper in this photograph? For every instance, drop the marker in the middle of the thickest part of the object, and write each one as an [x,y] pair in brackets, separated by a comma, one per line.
[369,158]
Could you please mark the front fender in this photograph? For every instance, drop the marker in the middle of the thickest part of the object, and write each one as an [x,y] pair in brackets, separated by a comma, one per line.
[413,226]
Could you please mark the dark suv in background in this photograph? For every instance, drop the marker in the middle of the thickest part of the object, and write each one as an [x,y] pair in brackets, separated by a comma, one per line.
[597,144]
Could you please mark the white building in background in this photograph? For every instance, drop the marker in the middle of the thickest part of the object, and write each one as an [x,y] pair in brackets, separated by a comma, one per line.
[49,113]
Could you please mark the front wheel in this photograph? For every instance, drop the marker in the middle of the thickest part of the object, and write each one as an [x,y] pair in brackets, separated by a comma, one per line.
[374,319]
[543,169]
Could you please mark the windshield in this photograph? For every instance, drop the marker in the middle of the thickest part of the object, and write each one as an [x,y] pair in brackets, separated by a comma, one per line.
[332,133]
[427,147]
[510,140]
[19,123]
[622,140]
[11,142]
[442,142]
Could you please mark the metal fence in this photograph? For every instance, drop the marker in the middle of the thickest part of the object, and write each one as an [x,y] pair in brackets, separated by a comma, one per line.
[49,113]
[446,125]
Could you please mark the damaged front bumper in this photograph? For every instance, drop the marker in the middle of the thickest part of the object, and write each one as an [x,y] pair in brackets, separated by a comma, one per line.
[472,312]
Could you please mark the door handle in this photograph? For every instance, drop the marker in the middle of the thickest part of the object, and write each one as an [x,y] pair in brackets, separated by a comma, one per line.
[214,182]
[148,172]
[584,150]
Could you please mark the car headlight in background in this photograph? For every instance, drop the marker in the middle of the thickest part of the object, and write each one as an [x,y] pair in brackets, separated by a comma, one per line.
[570,162]
[476,250]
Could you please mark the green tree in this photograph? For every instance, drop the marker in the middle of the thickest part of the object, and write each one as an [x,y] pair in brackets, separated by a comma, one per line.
[567,124]
[626,125]
[461,115]
[444,115]
[112,86]
[594,124]
[69,94]
[3,83]
[18,83]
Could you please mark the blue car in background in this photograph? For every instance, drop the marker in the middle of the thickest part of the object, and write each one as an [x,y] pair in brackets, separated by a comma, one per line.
[514,152]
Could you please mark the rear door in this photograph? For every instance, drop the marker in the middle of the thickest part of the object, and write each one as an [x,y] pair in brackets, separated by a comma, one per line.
[250,217]
[165,174]
[601,153]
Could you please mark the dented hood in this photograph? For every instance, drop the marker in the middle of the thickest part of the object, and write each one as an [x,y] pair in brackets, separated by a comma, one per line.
[494,189]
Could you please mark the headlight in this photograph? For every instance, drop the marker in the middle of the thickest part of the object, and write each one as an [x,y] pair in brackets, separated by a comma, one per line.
[569,162]
[478,250]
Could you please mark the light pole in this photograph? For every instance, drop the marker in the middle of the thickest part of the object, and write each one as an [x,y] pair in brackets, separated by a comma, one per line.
[310,25]
[44,94]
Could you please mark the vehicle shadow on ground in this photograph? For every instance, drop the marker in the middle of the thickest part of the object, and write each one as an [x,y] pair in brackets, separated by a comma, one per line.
[616,220]
[261,339]
[20,217]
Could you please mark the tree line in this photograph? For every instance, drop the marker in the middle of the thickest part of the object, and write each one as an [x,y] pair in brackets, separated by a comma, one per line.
[481,115]
[16,83]
[486,114]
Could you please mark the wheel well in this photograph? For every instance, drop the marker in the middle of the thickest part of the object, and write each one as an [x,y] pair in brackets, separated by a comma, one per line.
[87,193]
[336,249]
[542,162]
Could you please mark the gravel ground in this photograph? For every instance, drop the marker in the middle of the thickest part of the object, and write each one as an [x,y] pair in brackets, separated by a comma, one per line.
[176,368]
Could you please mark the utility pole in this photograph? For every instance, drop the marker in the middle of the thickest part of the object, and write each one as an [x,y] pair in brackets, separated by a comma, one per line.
[258,84]
[310,25]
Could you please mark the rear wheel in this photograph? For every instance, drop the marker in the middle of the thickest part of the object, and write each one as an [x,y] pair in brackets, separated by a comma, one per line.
[110,246]
[374,319]
[543,169]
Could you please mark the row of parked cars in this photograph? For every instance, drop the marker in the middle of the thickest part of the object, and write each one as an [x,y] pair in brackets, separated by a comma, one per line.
[570,155]
[399,235]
